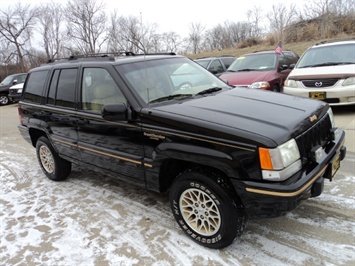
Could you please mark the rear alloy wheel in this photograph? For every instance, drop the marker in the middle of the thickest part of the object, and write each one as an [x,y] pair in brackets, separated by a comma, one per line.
[4,100]
[206,209]
[54,167]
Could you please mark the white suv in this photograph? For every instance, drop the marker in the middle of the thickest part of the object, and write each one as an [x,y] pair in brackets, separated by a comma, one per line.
[326,71]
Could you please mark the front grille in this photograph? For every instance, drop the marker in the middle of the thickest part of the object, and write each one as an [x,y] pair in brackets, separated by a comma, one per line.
[318,134]
[319,83]
[13,91]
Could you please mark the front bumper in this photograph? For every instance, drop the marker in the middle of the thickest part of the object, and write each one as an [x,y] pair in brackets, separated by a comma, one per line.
[14,97]
[273,199]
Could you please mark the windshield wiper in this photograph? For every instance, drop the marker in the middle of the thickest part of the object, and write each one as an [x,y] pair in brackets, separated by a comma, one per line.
[324,64]
[246,69]
[210,90]
[171,97]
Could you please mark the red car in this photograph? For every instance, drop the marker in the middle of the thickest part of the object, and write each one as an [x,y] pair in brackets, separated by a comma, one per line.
[265,70]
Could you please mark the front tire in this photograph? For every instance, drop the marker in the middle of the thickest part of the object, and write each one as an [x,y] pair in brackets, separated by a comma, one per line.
[4,100]
[54,167]
[206,209]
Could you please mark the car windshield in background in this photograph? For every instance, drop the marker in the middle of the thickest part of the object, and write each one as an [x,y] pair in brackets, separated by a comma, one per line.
[254,62]
[162,79]
[328,55]
[7,80]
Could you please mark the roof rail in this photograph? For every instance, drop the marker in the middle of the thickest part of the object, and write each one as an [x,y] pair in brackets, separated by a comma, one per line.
[104,56]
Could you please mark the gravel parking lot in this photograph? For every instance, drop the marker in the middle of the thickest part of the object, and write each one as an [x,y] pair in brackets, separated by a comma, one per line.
[94,220]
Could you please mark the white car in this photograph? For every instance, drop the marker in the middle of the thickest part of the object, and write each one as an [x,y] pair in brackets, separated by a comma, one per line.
[326,71]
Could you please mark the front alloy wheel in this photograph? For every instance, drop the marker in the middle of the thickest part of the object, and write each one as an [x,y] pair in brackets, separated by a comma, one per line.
[4,100]
[206,208]
[200,212]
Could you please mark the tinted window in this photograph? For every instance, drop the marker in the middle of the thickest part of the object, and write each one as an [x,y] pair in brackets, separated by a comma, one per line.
[53,87]
[216,66]
[35,86]
[66,88]
[20,78]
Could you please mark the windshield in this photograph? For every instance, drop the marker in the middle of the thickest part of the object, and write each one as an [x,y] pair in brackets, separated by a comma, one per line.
[7,80]
[163,78]
[328,55]
[254,62]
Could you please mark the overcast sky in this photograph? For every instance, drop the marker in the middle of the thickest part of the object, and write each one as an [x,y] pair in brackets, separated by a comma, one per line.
[177,15]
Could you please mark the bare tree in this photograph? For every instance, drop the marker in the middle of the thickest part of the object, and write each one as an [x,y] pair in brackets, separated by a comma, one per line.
[196,36]
[255,19]
[16,28]
[171,41]
[50,20]
[280,17]
[130,34]
[86,25]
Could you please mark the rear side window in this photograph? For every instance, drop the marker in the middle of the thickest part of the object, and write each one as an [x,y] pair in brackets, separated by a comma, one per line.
[34,86]
[62,88]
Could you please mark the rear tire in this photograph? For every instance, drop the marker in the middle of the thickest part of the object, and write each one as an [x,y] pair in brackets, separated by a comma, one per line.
[54,167]
[206,209]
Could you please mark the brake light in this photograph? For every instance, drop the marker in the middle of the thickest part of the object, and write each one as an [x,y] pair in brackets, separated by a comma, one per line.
[19,109]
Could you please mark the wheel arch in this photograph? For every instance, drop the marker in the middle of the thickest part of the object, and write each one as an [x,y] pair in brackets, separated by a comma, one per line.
[177,158]
[35,134]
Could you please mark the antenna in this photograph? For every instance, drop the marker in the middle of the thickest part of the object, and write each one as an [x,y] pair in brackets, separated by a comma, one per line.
[145,62]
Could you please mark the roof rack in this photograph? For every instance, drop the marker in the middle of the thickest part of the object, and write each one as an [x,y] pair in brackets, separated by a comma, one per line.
[103,56]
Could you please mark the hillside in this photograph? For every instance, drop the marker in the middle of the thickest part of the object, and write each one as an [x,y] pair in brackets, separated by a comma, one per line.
[298,47]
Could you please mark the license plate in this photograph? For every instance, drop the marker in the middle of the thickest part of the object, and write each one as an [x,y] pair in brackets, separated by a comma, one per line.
[335,164]
[318,95]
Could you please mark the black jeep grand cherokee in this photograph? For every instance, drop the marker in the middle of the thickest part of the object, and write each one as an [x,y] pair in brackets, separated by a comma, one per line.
[224,154]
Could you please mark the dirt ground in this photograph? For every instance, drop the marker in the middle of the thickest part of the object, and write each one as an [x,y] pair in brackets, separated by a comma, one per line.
[94,220]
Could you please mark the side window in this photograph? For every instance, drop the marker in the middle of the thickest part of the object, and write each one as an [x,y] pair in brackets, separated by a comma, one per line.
[34,86]
[282,61]
[66,88]
[216,66]
[98,89]
[53,87]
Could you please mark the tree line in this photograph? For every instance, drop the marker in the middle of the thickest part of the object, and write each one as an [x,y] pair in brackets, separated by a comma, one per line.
[31,35]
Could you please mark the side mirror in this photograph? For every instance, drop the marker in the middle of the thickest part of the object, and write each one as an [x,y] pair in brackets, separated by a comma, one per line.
[115,112]
[14,82]
[292,66]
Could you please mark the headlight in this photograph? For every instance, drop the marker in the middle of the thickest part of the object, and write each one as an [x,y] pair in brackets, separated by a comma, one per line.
[260,85]
[19,90]
[291,83]
[331,116]
[349,81]
[280,163]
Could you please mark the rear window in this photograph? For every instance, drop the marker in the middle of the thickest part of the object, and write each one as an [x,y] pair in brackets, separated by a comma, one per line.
[34,86]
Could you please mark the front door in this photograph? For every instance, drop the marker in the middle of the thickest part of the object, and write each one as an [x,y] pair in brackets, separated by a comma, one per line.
[113,146]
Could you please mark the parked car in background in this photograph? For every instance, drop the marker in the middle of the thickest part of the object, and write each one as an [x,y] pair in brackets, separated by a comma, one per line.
[15,92]
[265,70]
[326,71]
[7,83]
[216,65]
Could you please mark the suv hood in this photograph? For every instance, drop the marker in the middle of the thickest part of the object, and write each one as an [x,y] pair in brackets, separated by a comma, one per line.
[243,112]
[245,78]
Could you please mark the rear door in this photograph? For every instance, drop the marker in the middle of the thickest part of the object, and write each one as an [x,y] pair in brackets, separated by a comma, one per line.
[59,111]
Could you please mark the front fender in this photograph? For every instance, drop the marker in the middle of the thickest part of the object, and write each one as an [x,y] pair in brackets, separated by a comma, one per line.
[198,155]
